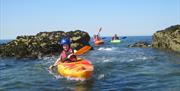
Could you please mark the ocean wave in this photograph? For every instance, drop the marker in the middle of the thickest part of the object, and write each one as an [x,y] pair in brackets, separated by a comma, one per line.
[130,60]
[144,58]
[54,74]
[75,79]
[106,49]
[100,76]
[107,60]
[58,76]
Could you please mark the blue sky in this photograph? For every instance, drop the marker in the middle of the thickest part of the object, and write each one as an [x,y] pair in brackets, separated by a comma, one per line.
[124,17]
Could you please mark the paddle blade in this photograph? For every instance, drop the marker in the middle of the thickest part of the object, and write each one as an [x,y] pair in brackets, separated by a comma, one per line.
[100,29]
[51,67]
[83,50]
[124,37]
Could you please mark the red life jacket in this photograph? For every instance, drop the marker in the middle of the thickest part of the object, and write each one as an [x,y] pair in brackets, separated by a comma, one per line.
[64,54]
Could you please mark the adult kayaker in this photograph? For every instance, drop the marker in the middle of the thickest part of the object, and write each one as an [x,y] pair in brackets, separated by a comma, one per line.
[67,55]
[115,37]
[96,38]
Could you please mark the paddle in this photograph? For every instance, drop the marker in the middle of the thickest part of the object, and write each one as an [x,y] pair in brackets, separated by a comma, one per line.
[79,52]
[51,67]
[99,31]
[83,50]
[124,37]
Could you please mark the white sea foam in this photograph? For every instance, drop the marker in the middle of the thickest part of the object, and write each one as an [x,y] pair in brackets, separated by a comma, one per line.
[100,76]
[131,60]
[107,60]
[145,58]
[58,76]
[127,60]
[106,49]
[75,79]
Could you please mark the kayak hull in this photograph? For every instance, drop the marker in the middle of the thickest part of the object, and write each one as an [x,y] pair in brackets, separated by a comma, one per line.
[98,42]
[115,41]
[82,69]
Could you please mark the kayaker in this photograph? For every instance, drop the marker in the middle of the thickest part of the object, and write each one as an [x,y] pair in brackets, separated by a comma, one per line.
[115,37]
[96,38]
[67,55]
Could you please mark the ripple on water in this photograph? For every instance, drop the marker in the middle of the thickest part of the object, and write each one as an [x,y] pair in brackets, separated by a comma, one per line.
[116,67]
[101,76]
[106,49]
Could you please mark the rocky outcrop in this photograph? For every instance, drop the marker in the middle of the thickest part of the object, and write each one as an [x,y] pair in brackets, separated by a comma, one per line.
[140,44]
[42,44]
[168,38]
[78,38]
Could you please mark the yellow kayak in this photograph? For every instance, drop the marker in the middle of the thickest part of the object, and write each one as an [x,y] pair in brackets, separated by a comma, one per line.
[82,69]
[115,41]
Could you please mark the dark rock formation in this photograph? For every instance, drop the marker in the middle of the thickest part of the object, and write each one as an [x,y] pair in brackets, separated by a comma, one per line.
[168,38]
[42,43]
[141,44]
[78,38]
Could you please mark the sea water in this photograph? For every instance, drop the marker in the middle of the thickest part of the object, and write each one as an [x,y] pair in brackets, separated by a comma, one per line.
[116,68]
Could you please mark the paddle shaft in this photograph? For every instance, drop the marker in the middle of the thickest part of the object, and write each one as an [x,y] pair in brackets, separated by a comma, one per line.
[99,31]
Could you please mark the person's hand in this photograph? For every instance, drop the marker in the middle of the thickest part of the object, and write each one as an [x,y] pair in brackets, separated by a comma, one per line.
[51,67]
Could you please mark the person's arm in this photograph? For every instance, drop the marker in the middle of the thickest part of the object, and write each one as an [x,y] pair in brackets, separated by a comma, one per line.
[55,64]
[57,61]
[113,38]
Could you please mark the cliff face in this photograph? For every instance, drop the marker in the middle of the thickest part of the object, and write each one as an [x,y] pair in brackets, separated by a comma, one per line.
[168,38]
[42,43]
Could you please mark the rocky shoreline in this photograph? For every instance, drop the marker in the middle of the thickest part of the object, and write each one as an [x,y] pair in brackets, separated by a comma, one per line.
[168,38]
[141,44]
[43,43]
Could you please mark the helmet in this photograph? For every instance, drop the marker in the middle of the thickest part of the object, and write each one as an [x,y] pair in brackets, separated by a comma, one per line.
[64,41]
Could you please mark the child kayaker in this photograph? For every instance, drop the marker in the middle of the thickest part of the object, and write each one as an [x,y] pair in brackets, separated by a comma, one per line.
[115,37]
[67,55]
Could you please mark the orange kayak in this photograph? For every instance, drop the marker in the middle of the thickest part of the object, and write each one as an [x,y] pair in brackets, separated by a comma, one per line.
[82,69]
[98,42]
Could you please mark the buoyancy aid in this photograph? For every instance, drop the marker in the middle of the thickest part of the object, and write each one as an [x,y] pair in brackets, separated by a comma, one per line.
[64,54]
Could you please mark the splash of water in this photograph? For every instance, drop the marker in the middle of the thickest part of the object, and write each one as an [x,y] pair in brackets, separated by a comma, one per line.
[100,76]
[107,60]
[106,49]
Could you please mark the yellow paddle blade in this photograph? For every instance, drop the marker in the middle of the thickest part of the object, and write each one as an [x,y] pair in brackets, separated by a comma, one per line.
[83,50]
